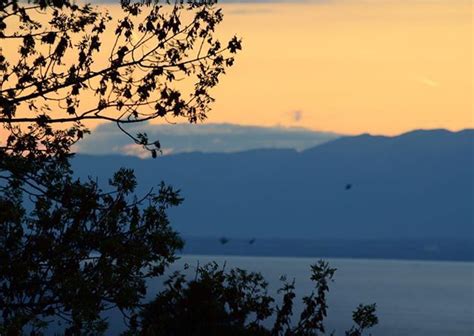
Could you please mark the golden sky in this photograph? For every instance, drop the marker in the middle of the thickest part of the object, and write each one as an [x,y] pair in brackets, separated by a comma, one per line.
[378,66]
[347,66]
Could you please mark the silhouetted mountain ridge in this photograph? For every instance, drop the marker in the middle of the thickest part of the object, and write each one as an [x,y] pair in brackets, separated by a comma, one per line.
[416,185]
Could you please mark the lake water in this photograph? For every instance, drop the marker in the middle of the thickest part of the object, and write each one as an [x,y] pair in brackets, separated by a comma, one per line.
[414,298]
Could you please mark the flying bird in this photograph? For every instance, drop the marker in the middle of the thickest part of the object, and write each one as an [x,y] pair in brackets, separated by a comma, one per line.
[251,241]
[223,240]
[348,186]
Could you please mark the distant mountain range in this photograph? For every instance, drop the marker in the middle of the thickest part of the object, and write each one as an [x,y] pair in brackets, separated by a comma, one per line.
[207,137]
[418,185]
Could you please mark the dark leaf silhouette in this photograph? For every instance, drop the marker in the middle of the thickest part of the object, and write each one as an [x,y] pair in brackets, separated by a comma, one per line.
[69,248]
[153,50]
[236,302]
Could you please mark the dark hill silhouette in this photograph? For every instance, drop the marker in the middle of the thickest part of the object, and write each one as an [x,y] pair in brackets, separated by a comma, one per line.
[416,185]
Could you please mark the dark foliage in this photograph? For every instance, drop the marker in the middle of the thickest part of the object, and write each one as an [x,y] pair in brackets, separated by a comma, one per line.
[237,303]
[59,60]
[69,249]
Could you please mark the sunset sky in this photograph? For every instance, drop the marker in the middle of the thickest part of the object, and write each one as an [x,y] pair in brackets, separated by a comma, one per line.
[350,66]
[344,66]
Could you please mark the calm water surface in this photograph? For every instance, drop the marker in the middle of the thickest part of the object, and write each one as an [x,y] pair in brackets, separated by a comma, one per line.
[415,298]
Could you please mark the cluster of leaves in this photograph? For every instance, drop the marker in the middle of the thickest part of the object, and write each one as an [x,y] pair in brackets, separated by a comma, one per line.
[237,303]
[60,60]
[69,250]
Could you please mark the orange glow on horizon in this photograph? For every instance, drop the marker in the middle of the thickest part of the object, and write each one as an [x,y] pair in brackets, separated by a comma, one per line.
[346,66]
[381,67]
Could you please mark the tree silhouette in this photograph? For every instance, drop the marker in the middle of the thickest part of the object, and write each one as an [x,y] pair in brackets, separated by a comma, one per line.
[60,59]
[70,249]
[237,303]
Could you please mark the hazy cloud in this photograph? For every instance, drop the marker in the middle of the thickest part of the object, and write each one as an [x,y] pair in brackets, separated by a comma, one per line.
[427,81]
[297,115]
[133,150]
[107,139]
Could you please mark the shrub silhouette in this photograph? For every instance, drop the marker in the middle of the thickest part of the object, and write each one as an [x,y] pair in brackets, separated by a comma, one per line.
[237,303]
